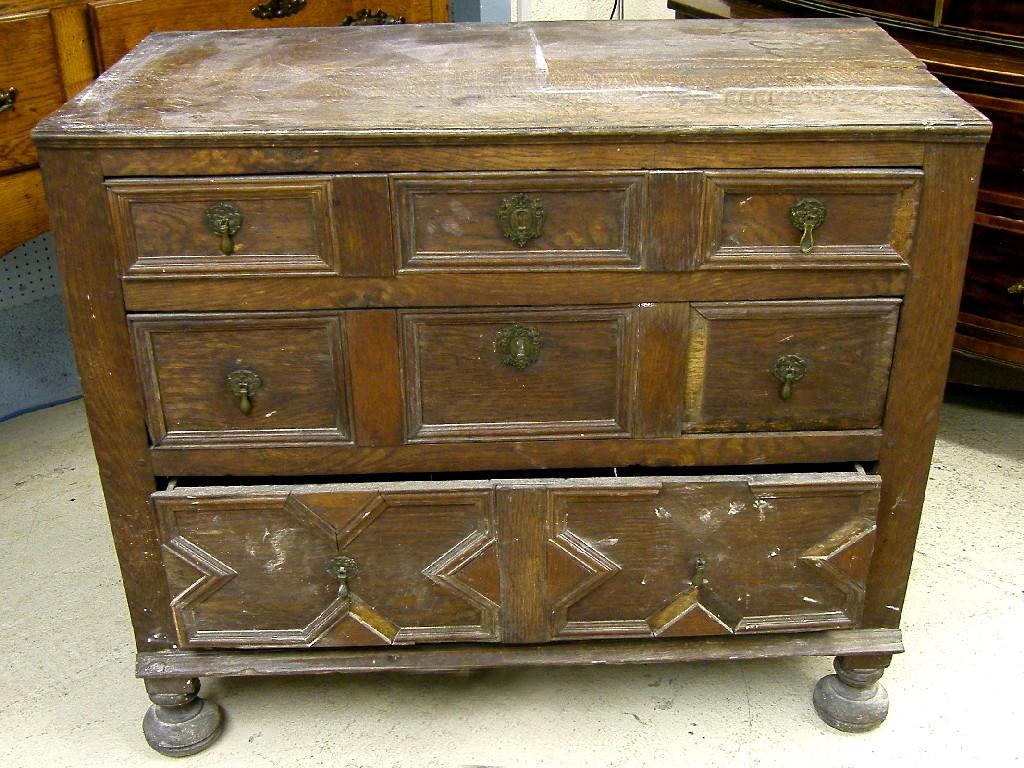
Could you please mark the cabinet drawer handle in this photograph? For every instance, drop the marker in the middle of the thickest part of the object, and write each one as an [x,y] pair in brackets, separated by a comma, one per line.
[521,218]
[1016,288]
[807,215]
[224,219]
[277,9]
[243,383]
[7,98]
[343,568]
[518,346]
[367,18]
[699,564]
[789,369]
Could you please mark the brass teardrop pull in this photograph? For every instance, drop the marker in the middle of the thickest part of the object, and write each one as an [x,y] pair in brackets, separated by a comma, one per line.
[243,383]
[224,219]
[699,564]
[343,568]
[789,369]
[807,215]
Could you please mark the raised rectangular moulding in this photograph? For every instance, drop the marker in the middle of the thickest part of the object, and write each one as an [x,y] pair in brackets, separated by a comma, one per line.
[788,365]
[518,220]
[529,372]
[223,226]
[516,560]
[809,218]
[243,378]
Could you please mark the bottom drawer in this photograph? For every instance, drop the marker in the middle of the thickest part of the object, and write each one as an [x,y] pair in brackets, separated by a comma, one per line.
[516,560]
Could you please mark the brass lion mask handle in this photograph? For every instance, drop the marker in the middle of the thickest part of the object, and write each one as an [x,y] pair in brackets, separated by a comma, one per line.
[224,219]
[789,369]
[807,215]
[243,383]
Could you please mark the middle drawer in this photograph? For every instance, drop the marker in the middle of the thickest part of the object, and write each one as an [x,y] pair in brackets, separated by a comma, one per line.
[388,377]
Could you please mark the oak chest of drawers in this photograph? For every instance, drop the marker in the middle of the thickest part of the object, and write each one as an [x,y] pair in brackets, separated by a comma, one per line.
[559,343]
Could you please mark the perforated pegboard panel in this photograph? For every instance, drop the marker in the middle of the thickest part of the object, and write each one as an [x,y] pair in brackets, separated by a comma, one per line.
[28,273]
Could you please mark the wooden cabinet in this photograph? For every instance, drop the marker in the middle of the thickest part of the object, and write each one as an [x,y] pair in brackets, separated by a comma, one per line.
[975,48]
[51,50]
[490,364]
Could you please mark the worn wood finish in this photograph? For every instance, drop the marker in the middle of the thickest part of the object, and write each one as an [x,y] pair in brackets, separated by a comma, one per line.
[118,25]
[449,658]
[844,346]
[640,362]
[21,195]
[185,362]
[572,75]
[459,383]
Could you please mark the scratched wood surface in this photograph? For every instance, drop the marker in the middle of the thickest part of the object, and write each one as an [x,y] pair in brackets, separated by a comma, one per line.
[564,78]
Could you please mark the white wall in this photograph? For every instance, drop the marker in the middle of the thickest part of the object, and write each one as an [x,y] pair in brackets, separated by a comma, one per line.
[551,10]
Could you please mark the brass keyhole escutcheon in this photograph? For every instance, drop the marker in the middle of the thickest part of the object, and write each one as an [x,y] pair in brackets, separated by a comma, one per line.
[807,215]
[699,564]
[518,346]
[789,369]
[521,218]
[224,219]
[243,383]
[343,568]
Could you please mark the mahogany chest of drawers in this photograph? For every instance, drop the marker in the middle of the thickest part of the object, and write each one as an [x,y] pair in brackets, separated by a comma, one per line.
[546,344]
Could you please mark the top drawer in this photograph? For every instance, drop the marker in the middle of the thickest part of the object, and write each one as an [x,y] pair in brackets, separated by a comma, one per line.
[809,218]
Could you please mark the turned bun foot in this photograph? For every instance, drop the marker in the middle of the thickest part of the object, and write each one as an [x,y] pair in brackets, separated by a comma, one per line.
[851,699]
[180,723]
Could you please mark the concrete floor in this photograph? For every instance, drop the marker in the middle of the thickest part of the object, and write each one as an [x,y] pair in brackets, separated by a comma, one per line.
[69,697]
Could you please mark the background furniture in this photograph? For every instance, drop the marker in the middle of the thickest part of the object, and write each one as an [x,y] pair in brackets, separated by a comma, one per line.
[976,47]
[49,51]
[433,353]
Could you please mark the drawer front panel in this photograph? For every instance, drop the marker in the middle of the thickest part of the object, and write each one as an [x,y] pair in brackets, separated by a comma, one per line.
[225,225]
[835,355]
[675,558]
[118,25]
[753,218]
[30,85]
[292,367]
[260,568]
[531,372]
[518,221]
[516,560]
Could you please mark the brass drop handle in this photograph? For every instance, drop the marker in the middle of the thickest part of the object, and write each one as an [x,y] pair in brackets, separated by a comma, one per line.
[518,346]
[224,219]
[699,564]
[243,383]
[521,218]
[367,18]
[7,98]
[277,9]
[1016,288]
[789,369]
[343,568]
[807,215]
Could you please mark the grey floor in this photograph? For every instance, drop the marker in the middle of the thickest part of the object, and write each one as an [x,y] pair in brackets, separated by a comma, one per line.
[69,698]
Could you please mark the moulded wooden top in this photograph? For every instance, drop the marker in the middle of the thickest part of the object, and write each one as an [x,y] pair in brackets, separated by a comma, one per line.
[558,79]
